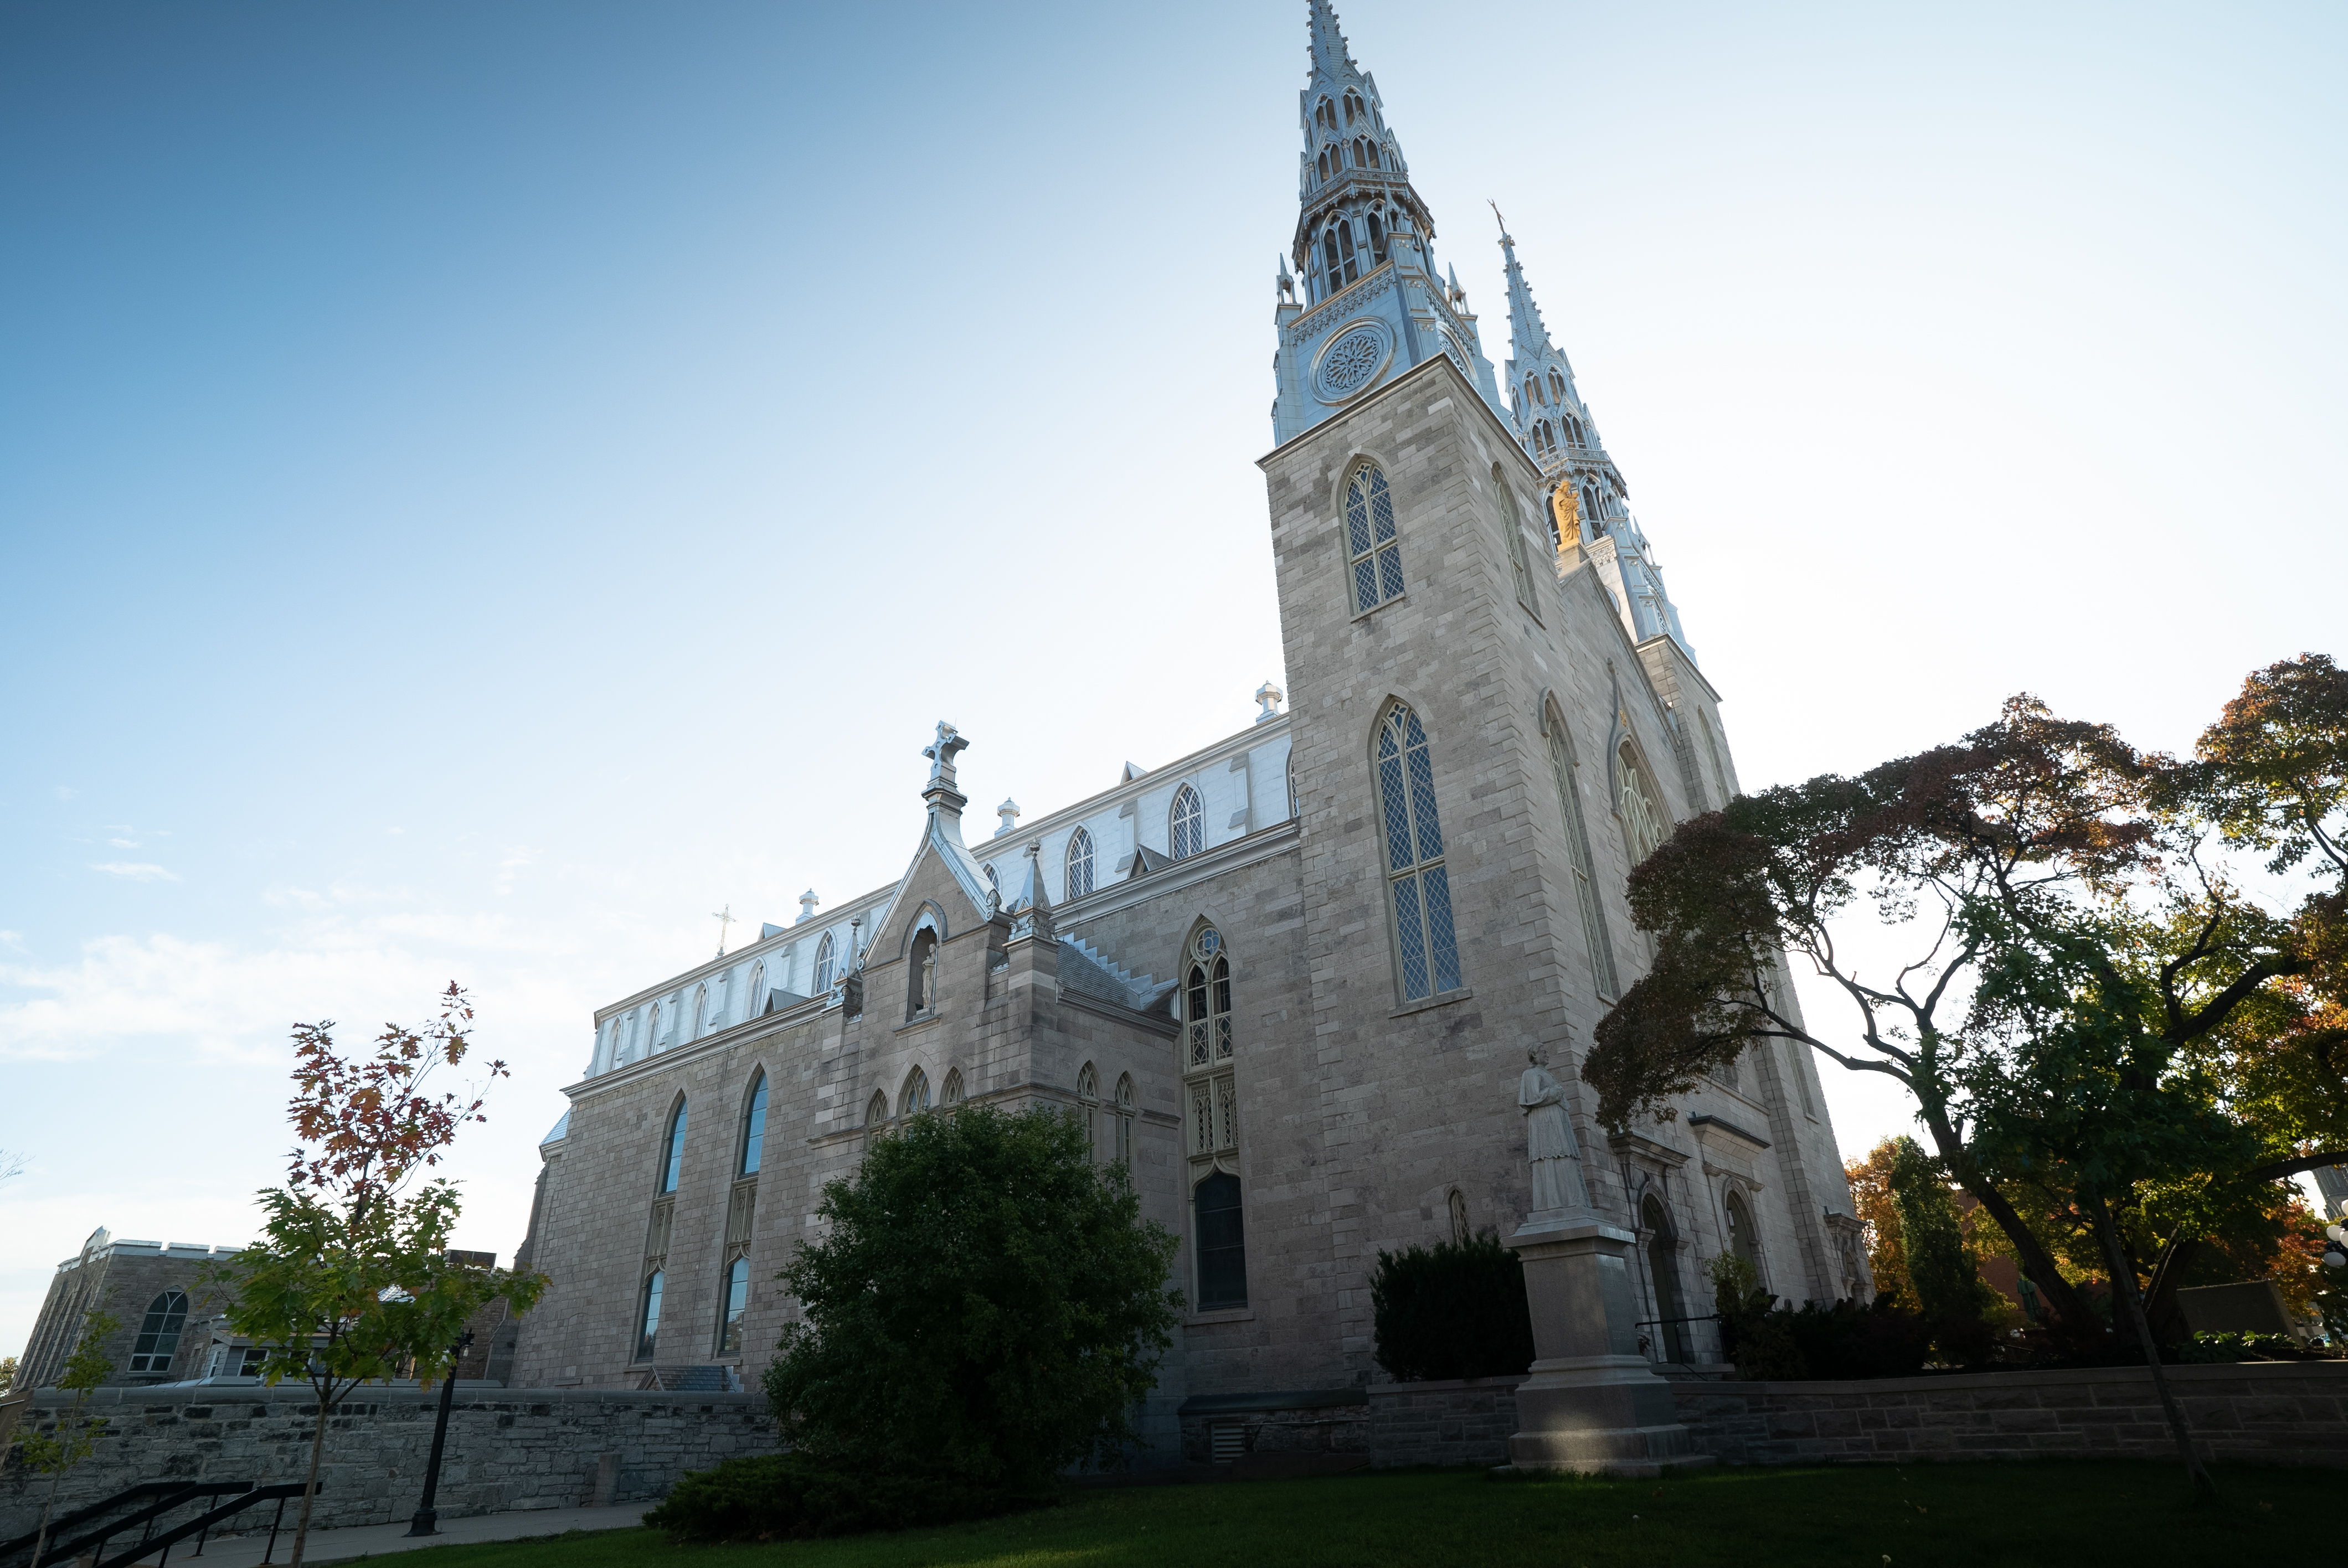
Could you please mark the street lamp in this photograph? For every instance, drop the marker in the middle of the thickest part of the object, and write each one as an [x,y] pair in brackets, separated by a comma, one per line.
[427,1519]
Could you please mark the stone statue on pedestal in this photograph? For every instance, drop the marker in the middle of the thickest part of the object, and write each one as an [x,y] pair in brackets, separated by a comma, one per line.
[1549,1142]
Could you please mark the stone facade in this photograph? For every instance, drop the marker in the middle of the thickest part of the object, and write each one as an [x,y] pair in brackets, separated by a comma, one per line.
[522,1450]
[1451,1423]
[137,1281]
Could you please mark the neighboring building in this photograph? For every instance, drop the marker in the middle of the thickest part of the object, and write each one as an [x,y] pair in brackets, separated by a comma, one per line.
[2331,1185]
[152,1287]
[1291,977]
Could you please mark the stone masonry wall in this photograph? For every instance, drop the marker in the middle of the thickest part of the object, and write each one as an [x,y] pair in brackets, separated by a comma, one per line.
[2258,1412]
[507,1449]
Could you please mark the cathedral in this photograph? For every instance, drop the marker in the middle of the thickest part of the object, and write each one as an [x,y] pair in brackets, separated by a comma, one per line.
[1290,979]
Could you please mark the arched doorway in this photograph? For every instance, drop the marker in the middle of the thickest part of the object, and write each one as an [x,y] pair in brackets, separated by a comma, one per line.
[1663,1268]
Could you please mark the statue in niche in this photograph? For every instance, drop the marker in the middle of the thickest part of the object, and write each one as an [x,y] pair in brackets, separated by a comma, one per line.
[1550,1143]
[930,979]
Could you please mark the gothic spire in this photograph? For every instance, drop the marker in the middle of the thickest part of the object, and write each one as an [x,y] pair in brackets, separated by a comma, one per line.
[1331,58]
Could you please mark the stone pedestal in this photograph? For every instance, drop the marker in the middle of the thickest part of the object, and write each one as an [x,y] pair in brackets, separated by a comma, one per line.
[1593,1403]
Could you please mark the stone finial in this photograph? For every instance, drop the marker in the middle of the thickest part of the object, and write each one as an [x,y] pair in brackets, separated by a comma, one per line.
[807,901]
[1270,697]
[941,752]
[1285,285]
[1009,812]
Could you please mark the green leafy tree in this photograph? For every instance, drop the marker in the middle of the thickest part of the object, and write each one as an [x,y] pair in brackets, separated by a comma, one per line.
[352,1281]
[74,1437]
[987,1306]
[1941,1267]
[7,1373]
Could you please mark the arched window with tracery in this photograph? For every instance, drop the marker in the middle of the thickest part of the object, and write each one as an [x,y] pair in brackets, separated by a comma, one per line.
[158,1334]
[1418,883]
[1644,825]
[1566,773]
[754,1130]
[876,1109]
[1126,1112]
[1372,547]
[1557,385]
[827,966]
[915,1099]
[951,1095]
[1338,251]
[673,1150]
[1079,863]
[1206,1002]
[1088,1106]
[1188,823]
[754,1001]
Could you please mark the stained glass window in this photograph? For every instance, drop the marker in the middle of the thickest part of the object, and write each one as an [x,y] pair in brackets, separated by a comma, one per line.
[1420,885]
[1221,1242]
[1371,546]
[754,1129]
[1189,824]
[1644,825]
[827,966]
[672,1151]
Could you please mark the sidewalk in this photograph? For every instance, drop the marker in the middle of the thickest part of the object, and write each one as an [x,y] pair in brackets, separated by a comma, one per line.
[380,1540]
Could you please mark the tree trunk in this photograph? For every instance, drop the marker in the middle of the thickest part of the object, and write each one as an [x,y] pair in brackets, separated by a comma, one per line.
[41,1545]
[2160,1308]
[2037,1262]
[310,1487]
[2124,1290]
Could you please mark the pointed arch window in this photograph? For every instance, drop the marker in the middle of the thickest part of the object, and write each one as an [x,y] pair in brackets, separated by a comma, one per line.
[1207,1001]
[1567,776]
[1126,1112]
[1189,833]
[1557,385]
[916,1096]
[1079,865]
[1644,825]
[652,1029]
[827,966]
[648,1329]
[1512,526]
[1088,1106]
[876,1109]
[673,1150]
[951,1095]
[1372,547]
[734,1296]
[754,1130]
[754,1004]
[1592,509]
[158,1335]
[1418,883]
[1742,1240]
[700,1010]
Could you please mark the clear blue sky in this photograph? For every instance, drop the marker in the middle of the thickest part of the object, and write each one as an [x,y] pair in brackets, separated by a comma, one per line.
[482,487]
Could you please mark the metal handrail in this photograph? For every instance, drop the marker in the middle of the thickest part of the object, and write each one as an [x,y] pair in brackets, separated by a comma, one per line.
[177,1493]
[84,1514]
[200,1526]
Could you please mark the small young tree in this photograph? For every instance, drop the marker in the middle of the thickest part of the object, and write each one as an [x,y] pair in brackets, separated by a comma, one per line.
[352,1281]
[1948,1285]
[987,1306]
[75,1437]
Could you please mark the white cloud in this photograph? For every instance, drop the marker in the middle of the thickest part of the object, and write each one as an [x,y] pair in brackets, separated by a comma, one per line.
[123,843]
[136,871]
[66,792]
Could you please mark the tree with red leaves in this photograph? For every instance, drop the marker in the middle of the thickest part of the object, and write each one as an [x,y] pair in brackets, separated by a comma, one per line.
[353,1282]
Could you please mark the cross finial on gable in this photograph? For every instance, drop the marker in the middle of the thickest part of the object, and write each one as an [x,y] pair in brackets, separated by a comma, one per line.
[941,752]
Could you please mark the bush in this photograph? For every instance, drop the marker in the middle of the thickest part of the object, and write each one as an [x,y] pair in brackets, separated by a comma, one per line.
[795,1497]
[987,1306]
[1769,1343]
[1457,1310]
[1949,1290]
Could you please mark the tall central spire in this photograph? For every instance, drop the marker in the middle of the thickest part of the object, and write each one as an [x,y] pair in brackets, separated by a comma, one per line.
[1374,302]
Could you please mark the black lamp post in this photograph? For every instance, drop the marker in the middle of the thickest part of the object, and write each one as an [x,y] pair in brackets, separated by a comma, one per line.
[427,1519]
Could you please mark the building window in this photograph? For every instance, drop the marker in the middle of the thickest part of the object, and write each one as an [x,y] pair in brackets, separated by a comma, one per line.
[159,1335]
[1664,1271]
[916,1096]
[1080,864]
[755,1004]
[1461,1232]
[1644,824]
[827,966]
[1222,1242]
[673,1150]
[994,883]
[1207,1002]
[1512,526]
[921,975]
[1419,886]
[700,1010]
[1591,510]
[736,1295]
[1741,1240]
[1371,546]
[1088,1107]
[754,1129]
[1125,1118]
[876,1109]
[952,1093]
[652,1029]
[1190,825]
[1568,778]
[648,1339]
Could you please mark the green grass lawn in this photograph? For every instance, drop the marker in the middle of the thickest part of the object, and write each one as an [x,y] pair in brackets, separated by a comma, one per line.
[1963,1515]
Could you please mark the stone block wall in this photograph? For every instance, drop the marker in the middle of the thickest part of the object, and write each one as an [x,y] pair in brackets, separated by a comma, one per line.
[1454,1421]
[507,1449]
[2256,1412]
